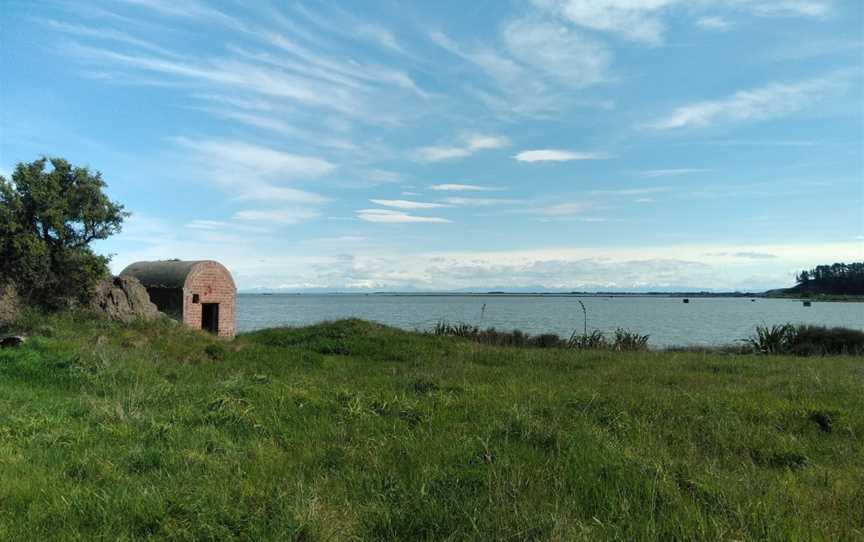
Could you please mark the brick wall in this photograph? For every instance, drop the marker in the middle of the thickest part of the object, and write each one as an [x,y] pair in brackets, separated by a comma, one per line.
[213,284]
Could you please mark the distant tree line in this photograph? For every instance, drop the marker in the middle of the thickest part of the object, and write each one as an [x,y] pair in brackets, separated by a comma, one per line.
[838,278]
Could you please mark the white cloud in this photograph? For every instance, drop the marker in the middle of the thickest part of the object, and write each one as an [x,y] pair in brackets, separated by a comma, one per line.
[569,267]
[436,154]
[482,142]
[538,68]
[643,21]
[191,9]
[252,172]
[713,23]
[635,20]
[267,192]
[372,74]
[557,155]
[405,204]
[386,216]
[450,187]
[258,159]
[468,145]
[273,124]
[239,75]
[558,51]
[103,33]
[279,216]
[767,102]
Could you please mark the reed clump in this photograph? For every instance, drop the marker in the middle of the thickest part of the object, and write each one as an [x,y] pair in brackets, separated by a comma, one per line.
[622,340]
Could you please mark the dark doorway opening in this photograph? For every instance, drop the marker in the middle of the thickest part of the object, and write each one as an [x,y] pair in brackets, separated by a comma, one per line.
[210,317]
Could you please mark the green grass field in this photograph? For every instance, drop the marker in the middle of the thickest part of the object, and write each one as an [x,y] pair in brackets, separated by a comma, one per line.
[355,431]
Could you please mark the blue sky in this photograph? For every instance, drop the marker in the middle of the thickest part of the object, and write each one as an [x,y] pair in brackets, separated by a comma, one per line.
[578,144]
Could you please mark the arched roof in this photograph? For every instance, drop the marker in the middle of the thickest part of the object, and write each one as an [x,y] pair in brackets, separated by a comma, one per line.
[165,273]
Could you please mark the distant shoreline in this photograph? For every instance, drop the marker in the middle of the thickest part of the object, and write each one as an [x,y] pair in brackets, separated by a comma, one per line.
[517,294]
[675,295]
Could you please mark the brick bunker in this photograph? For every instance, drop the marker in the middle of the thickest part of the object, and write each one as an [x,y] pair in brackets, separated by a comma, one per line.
[201,294]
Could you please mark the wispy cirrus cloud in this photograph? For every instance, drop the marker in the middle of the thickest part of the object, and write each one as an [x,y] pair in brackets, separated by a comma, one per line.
[536,69]
[455,187]
[406,204]
[232,73]
[639,21]
[187,9]
[645,21]
[272,123]
[763,103]
[258,160]
[468,145]
[253,172]
[388,216]
[277,216]
[557,52]
[106,34]
[558,155]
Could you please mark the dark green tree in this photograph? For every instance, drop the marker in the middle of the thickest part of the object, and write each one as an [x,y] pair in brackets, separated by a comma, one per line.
[48,218]
[838,278]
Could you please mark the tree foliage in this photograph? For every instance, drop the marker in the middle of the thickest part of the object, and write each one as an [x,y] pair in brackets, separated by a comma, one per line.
[48,218]
[838,278]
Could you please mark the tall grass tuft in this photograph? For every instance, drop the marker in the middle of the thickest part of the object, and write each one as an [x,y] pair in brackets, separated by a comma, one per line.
[629,341]
[593,341]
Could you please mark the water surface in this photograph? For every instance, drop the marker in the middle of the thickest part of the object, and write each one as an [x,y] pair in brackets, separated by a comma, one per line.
[669,321]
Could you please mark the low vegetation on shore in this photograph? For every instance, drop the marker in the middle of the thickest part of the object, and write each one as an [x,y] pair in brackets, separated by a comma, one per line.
[355,431]
[786,339]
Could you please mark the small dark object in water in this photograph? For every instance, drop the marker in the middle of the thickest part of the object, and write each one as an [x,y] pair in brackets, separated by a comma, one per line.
[12,341]
[807,303]
[686,300]
[752,301]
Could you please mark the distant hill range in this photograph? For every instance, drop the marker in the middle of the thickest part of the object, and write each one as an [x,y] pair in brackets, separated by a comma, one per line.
[839,279]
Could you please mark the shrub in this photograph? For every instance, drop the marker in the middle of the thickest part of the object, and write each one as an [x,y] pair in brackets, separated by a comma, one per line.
[823,341]
[807,340]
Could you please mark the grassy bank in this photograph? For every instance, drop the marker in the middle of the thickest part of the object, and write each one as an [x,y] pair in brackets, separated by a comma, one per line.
[355,431]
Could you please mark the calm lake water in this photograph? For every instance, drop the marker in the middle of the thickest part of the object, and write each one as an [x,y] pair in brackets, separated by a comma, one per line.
[669,321]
